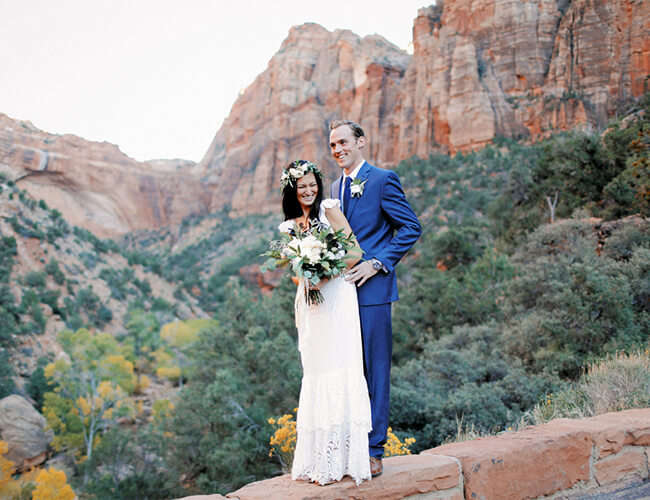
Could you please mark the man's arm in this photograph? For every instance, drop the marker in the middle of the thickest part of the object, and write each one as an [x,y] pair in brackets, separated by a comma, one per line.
[402,218]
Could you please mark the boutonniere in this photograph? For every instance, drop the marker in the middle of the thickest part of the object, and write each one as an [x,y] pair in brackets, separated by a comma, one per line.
[357,187]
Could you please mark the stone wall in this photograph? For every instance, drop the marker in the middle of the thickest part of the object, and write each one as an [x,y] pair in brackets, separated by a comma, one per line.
[563,459]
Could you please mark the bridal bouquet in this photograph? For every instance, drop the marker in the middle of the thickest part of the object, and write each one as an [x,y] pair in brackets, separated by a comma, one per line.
[313,254]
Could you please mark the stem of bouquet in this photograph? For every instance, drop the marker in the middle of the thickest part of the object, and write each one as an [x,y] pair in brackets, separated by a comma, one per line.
[313,295]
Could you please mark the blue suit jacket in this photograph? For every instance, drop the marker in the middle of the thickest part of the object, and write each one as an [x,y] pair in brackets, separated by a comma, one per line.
[385,226]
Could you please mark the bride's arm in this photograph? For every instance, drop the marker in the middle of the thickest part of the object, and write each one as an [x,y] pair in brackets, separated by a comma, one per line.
[338,221]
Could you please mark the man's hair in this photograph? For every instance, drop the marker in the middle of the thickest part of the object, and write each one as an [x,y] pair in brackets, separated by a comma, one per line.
[355,127]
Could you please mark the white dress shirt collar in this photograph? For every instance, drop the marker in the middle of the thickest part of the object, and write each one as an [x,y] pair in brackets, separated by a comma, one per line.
[355,172]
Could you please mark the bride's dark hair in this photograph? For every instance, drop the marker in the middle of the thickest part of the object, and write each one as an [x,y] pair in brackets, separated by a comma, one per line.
[290,205]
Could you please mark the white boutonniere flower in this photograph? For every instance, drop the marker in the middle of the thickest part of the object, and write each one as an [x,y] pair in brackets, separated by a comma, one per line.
[357,187]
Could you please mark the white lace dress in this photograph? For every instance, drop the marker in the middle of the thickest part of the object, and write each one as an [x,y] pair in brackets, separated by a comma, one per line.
[334,410]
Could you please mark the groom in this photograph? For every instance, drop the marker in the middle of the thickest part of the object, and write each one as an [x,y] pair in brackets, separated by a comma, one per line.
[386,227]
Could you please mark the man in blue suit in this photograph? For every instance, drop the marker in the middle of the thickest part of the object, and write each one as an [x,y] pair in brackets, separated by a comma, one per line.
[386,227]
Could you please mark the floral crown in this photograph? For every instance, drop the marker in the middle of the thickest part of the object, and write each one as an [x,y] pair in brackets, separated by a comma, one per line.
[296,170]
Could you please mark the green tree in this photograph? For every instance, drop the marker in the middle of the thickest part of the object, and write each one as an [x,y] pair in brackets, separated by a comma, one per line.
[220,423]
[91,390]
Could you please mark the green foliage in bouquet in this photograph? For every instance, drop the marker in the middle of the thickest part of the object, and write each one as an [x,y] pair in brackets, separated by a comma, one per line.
[313,255]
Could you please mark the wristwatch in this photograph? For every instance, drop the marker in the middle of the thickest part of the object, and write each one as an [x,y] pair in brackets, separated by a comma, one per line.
[377,265]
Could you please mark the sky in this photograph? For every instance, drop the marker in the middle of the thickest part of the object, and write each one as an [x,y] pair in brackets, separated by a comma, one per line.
[158,77]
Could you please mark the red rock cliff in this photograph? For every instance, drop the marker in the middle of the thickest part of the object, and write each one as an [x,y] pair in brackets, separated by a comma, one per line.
[480,69]
[315,77]
[96,186]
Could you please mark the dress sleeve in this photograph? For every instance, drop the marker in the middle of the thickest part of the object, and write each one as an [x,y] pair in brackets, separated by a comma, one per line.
[286,226]
[330,203]
[325,204]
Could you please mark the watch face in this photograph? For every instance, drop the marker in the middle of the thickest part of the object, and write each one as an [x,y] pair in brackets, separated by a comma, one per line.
[376,264]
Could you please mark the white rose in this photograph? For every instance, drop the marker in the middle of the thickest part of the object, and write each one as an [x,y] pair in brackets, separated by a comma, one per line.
[355,189]
[296,173]
[292,248]
[311,248]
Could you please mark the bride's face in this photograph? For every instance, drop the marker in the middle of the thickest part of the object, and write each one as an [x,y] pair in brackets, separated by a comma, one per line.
[307,190]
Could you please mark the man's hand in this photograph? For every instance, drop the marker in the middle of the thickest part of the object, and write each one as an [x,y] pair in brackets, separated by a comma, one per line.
[361,273]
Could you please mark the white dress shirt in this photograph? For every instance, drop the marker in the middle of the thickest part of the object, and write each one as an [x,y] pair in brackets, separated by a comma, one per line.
[352,176]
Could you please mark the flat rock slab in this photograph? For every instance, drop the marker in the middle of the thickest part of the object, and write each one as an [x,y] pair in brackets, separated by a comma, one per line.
[611,431]
[403,477]
[548,458]
[525,464]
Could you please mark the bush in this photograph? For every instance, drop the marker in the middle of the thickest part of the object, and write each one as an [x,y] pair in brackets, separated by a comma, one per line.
[7,386]
[462,376]
[7,254]
[567,303]
[52,268]
[35,279]
[38,384]
[615,383]
[220,421]
[130,464]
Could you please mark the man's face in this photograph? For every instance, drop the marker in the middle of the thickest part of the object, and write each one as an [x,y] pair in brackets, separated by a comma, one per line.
[346,148]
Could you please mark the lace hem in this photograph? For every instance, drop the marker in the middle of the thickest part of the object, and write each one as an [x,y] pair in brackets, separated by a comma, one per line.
[325,456]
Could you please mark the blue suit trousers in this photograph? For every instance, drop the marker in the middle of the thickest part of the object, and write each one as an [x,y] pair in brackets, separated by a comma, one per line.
[377,336]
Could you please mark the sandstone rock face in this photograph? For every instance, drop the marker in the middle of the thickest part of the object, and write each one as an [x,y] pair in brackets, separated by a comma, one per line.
[480,69]
[23,429]
[315,77]
[96,186]
[483,68]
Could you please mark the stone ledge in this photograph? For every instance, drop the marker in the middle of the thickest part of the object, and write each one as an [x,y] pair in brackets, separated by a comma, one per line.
[555,457]
[562,457]
[403,477]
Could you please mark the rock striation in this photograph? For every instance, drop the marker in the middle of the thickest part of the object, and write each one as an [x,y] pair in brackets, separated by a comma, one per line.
[479,69]
[96,186]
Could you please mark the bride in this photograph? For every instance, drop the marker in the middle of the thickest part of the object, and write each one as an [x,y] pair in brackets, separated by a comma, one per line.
[333,418]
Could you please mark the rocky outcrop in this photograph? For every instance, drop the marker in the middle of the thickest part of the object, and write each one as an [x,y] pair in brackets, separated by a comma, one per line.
[23,429]
[564,458]
[96,186]
[480,69]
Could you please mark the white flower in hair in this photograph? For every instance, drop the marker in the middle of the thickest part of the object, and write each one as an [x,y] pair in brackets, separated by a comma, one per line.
[296,171]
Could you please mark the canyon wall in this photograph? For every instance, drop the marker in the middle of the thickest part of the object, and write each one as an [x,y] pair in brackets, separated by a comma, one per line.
[96,186]
[315,77]
[479,69]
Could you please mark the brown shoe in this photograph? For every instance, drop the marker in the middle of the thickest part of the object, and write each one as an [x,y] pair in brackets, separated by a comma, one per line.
[376,467]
